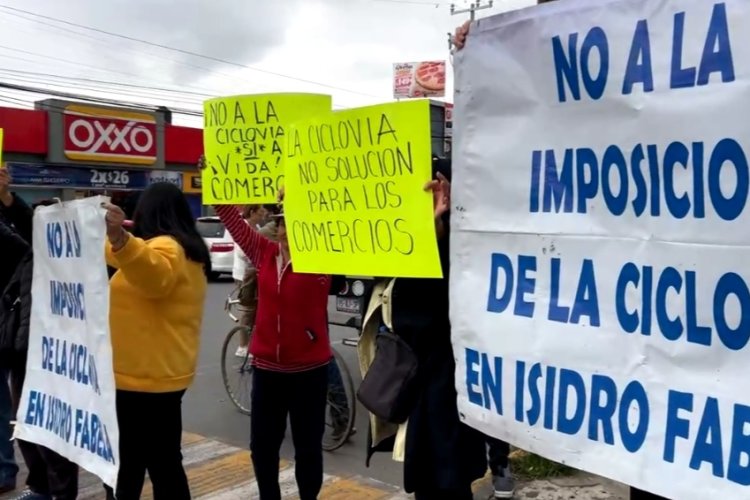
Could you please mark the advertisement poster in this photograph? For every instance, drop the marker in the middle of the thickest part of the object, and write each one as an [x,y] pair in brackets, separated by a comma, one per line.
[419,79]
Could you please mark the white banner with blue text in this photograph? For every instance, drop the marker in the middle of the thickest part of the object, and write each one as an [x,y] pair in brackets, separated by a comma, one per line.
[68,401]
[600,231]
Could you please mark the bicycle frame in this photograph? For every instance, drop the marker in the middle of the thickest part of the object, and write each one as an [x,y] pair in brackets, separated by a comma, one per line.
[230,303]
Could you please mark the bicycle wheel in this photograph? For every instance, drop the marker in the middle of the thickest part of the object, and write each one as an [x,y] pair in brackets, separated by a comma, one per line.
[341,408]
[237,371]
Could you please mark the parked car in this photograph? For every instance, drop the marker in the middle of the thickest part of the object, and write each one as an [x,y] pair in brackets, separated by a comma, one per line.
[352,301]
[219,243]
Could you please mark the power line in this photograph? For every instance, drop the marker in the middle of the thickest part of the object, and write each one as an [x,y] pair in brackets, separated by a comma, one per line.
[105,82]
[414,2]
[97,100]
[129,49]
[10,99]
[35,77]
[209,92]
[77,86]
[184,51]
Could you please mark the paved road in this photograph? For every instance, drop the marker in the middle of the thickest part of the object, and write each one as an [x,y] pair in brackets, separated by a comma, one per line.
[208,411]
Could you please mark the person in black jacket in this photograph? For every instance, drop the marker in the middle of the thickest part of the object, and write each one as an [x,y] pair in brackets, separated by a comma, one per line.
[14,248]
[443,456]
[14,217]
[51,476]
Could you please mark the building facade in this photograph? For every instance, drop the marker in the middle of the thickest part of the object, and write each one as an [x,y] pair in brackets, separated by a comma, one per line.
[69,150]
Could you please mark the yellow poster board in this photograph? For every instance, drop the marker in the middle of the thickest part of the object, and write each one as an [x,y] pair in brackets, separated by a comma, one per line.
[1,149]
[354,193]
[244,139]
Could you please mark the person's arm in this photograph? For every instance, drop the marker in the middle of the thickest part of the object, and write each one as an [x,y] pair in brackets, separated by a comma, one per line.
[150,266]
[248,239]
[19,213]
[441,193]
[440,228]
[13,245]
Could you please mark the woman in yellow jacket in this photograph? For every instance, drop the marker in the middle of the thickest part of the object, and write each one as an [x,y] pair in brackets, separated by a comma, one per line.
[156,309]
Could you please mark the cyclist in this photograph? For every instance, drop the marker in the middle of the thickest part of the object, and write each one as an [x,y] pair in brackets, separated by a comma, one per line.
[291,353]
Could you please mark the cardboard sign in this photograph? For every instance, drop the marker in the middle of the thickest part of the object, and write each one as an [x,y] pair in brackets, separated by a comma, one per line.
[244,139]
[355,200]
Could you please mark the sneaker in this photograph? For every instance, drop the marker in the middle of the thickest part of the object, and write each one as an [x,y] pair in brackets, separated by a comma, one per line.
[503,483]
[30,495]
[241,352]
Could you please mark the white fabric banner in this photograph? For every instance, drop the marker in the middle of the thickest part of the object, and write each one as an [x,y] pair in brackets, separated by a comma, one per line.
[600,232]
[68,402]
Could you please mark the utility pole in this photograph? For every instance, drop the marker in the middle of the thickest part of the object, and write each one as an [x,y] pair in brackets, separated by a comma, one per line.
[472,10]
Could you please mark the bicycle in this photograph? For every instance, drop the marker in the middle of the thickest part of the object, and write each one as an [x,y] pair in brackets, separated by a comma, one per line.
[340,405]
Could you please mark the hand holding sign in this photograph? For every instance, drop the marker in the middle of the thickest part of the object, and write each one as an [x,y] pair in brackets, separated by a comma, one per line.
[441,194]
[459,38]
[115,219]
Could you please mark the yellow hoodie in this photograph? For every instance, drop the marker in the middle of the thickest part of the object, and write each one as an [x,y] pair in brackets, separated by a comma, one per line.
[156,309]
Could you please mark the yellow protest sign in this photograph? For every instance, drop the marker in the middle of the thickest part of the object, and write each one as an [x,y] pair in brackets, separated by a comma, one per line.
[354,193]
[244,139]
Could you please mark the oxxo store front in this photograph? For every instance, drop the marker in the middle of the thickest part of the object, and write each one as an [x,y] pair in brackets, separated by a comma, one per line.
[70,150]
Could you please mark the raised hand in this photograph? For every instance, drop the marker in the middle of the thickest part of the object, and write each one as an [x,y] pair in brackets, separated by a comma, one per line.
[459,37]
[441,194]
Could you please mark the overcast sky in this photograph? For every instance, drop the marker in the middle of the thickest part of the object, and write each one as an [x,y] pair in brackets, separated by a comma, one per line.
[349,46]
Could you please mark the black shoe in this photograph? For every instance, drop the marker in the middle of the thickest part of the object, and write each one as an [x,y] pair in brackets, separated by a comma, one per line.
[30,495]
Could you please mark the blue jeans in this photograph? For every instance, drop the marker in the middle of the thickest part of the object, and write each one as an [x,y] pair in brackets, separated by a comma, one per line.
[8,466]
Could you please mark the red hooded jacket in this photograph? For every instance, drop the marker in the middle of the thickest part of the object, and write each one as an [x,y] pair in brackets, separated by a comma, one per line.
[291,323]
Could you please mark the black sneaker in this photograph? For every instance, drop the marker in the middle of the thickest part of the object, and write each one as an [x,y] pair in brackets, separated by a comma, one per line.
[503,482]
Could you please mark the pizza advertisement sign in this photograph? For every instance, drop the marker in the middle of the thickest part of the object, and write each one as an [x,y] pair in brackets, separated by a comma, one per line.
[419,79]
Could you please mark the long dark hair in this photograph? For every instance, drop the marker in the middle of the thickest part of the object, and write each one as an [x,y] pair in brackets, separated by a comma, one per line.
[164,211]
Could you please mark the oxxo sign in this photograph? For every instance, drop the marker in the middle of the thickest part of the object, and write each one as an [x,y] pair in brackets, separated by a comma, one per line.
[106,135]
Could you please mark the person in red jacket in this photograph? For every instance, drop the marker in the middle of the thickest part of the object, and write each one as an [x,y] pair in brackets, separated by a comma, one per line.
[291,353]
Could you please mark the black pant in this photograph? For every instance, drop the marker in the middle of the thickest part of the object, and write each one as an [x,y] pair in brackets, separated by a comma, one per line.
[150,440]
[636,494]
[498,454]
[50,474]
[302,397]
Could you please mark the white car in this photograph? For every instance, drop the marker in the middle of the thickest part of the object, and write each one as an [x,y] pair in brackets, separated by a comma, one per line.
[219,243]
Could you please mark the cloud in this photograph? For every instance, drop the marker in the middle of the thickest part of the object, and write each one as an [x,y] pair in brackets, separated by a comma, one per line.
[233,30]
[349,46]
